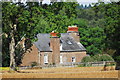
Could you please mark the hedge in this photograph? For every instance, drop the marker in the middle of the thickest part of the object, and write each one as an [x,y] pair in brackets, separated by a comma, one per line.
[97,58]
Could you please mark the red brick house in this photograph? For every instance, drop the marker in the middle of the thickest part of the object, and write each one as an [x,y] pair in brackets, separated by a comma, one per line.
[50,49]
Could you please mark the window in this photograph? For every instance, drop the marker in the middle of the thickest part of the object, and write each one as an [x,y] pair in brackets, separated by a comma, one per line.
[73,59]
[61,47]
[61,61]
[45,58]
[69,42]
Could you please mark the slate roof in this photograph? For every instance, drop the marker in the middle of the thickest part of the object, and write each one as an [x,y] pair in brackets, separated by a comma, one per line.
[68,43]
[43,42]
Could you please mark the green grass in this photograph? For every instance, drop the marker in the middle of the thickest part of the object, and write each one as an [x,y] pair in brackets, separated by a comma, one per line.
[6,68]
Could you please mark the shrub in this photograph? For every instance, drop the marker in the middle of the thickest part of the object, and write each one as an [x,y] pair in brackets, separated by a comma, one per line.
[113,64]
[106,57]
[87,64]
[81,65]
[87,59]
[34,64]
[96,58]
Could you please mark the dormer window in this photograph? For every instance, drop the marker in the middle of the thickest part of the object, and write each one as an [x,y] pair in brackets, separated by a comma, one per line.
[49,43]
[69,42]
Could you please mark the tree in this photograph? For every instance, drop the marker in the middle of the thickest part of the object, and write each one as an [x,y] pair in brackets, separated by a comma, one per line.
[21,20]
[9,28]
[111,27]
[106,17]
[89,6]
[92,38]
[98,25]
[17,21]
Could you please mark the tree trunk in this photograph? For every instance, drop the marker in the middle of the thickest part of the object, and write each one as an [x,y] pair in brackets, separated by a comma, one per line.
[12,52]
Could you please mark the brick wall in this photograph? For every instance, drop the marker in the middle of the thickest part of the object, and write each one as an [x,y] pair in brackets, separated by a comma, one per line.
[67,56]
[30,57]
[53,57]
[55,45]
[42,58]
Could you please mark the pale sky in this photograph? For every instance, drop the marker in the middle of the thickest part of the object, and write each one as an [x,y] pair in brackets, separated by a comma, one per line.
[48,1]
[79,1]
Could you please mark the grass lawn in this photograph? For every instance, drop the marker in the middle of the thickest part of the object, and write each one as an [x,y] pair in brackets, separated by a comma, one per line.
[63,72]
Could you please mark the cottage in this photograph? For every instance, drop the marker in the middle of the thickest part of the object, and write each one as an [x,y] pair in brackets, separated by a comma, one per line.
[51,49]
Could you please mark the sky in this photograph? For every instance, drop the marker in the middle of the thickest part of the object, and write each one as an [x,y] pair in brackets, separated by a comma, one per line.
[85,2]
[82,1]
[48,1]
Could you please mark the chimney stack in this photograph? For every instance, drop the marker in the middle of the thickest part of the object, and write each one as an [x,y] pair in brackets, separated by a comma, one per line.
[73,31]
[55,46]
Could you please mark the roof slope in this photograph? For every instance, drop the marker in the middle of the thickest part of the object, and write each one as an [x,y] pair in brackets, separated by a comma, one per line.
[67,42]
[43,42]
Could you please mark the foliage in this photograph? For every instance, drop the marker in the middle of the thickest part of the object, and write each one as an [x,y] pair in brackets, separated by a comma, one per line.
[4,68]
[33,64]
[32,19]
[5,51]
[106,57]
[111,64]
[87,59]
[19,52]
[111,27]
[98,25]
[81,65]
[92,39]
[103,57]
[7,68]
[106,17]
[97,58]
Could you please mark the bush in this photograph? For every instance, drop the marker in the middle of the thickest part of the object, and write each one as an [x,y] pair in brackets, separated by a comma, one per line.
[96,58]
[103,57]
[87,59]
[87,64]
[81,65]
[111,64]
[106,57]
[34,64]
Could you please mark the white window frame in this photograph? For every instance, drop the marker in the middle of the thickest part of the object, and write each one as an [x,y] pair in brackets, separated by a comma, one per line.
[61,47]
[61,59]
[45,58]
[73,59]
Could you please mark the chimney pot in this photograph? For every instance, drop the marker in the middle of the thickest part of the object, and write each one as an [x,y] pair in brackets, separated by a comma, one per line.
[53,34]
[72,28]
